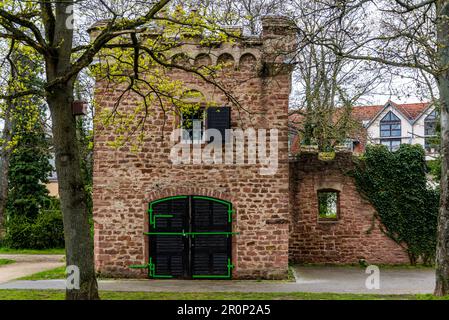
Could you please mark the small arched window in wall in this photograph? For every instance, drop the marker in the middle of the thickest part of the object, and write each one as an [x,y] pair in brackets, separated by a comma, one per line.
[328,205]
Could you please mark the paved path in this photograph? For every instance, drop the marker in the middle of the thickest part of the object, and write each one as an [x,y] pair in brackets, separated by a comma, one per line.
[352,280]
[308,279]
[27,264]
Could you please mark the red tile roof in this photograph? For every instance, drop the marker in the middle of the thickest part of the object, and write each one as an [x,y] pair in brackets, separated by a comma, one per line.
[295,118]
[410,110]
[366,113]
[363,113]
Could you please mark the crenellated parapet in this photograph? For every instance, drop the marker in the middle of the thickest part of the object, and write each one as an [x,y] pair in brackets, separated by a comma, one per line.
[271,51]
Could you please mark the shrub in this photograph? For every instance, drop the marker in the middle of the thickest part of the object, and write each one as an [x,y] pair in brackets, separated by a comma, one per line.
[44,232]
[29,166]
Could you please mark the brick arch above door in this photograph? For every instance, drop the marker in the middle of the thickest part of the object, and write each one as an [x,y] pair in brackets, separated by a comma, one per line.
[176,191]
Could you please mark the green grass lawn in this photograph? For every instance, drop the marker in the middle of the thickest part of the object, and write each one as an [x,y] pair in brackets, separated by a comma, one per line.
[6,261]
[31,251]
[106,295]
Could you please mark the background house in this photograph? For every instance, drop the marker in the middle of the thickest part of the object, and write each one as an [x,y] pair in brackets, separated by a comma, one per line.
[391,124]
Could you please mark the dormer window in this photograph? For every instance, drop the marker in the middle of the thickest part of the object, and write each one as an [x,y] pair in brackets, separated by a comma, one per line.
[390,131]
[390,126]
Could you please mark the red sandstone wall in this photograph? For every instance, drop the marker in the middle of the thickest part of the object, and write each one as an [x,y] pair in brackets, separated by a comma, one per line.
[125,182]
[353,237]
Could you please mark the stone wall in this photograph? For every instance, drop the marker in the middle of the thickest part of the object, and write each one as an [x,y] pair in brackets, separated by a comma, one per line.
[126,181]
[275,215]
[353,236]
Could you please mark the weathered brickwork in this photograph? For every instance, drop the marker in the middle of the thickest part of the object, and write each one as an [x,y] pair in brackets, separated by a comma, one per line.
[355,235]
[125,181]
[275,215]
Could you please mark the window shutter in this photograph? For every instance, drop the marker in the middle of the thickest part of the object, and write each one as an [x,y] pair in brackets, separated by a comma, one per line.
[218,118]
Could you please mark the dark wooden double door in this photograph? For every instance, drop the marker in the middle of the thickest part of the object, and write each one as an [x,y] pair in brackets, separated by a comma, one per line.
[190,238]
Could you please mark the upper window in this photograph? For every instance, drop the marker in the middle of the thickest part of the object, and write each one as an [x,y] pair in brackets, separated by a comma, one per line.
[430,124]
[195,123]
[390,126]
[292,134]
[192,123]
[328,204]
[391,144]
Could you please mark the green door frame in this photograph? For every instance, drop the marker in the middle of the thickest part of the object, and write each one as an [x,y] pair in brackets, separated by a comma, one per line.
[152,224]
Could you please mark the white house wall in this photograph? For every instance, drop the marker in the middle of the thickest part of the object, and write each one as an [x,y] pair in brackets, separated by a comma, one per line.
[419,124]
[411,133]
[419,127]
[374,128]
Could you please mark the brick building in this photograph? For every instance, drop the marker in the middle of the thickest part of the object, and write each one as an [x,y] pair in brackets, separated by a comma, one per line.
[225,220]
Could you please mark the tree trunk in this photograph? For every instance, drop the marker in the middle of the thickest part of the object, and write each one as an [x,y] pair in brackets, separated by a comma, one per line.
[78,242]
[4,163]
[442,252]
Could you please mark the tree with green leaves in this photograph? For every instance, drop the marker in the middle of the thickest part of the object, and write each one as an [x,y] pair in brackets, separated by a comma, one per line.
[7,112]
[51,31]
[24,147]
[29,166]
[25,155]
